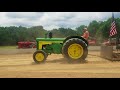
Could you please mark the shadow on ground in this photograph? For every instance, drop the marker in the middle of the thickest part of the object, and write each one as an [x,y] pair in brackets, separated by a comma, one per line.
[61,61]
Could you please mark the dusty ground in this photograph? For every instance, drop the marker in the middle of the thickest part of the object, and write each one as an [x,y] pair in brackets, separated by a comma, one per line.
[22,66]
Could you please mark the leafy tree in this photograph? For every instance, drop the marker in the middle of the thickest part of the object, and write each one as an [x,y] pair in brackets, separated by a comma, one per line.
[93,27]
[98,30]
[80,29]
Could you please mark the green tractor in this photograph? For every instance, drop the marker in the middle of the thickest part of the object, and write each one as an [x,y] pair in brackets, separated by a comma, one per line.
[73,48]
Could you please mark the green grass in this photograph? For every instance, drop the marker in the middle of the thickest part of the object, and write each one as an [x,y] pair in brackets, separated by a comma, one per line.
[8,47]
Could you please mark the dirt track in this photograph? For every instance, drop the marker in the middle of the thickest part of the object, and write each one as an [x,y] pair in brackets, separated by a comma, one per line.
[23,66]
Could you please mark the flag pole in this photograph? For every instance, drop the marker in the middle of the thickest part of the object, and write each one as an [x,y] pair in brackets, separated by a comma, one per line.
[110,26]
[113,29]
[116,36]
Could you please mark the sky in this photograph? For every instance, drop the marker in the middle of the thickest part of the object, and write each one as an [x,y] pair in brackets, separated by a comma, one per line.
[53,20]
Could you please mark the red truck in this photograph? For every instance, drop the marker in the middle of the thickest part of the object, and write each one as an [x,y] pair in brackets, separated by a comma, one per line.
[108,42]
[92,42]
[26,44]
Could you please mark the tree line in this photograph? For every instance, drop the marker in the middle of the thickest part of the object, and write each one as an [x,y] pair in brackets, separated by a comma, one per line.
[98,30]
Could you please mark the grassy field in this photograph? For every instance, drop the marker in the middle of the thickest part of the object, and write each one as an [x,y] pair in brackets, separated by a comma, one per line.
[8,47]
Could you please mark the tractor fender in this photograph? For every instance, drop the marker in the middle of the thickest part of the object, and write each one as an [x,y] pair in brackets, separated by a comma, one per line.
[69,37]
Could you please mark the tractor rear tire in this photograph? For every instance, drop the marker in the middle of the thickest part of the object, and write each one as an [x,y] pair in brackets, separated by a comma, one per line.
[75,50]
[39,56]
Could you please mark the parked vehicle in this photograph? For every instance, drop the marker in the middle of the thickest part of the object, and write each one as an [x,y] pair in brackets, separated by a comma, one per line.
[26,44]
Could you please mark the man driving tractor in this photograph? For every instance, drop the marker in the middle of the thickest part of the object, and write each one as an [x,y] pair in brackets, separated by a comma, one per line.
[85,34]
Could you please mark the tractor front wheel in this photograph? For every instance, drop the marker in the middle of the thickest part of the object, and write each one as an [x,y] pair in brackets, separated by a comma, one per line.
[39,56]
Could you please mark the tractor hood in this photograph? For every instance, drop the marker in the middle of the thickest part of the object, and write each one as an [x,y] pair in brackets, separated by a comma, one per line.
[50,39]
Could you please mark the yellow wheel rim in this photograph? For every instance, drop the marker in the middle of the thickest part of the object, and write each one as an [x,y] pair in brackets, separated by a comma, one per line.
[39,57]
[75,51]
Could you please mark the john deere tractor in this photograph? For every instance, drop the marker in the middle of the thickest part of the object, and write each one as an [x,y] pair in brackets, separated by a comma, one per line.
[73,48]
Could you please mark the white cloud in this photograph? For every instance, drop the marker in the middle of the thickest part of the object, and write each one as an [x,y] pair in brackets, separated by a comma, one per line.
[50,20]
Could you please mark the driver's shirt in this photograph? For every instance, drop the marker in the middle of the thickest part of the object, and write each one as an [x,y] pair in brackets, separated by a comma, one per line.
[86,35]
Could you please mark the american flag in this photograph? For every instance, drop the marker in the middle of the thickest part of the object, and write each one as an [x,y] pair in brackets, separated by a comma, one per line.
[113,30]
